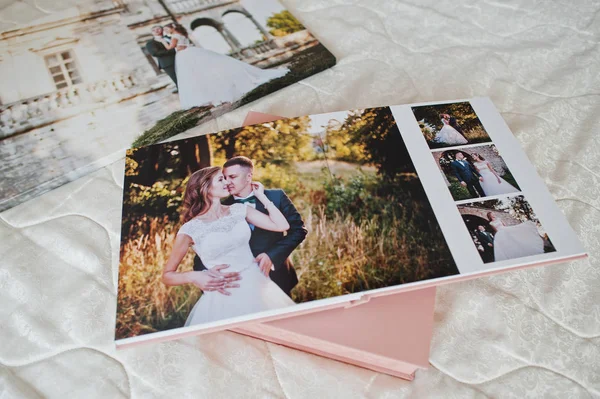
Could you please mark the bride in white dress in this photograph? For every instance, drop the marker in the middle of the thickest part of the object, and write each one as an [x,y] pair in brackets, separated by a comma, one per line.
[511,242]
[220,236]
[208,78]
[492,183]
[447,134]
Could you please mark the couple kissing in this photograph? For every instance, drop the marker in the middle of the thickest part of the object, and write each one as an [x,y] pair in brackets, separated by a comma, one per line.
[233,223]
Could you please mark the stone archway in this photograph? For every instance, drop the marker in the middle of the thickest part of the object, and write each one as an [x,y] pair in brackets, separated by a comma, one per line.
[266,35]
[473,222]
[231,40]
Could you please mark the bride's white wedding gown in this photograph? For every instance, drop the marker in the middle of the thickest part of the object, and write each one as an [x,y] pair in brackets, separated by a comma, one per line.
[449,135]
[225,241]
[511,242]
[205,77]
[490,183]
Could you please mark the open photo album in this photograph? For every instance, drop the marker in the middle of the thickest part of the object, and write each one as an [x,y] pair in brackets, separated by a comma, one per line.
[305,214]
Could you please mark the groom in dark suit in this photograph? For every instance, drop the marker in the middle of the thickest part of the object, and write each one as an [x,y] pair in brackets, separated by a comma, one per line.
[454,123]
[271,249]
[467,175]
[486,239]
[164,57]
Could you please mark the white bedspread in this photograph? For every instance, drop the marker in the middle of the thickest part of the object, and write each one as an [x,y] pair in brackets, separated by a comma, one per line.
[533,333]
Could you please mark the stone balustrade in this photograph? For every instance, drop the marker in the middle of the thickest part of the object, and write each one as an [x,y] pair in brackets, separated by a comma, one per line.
[254,49]
[36,111]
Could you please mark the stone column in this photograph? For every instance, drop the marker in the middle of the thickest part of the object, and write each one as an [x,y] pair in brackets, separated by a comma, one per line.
[230,39]
[262,30]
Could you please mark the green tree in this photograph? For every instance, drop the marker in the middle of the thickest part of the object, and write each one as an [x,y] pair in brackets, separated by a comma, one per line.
[375,130]
[280,142]
[340,145]
[283,23]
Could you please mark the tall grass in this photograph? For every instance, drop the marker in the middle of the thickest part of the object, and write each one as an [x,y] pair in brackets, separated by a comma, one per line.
[144,303]
[341,255]
[362,234]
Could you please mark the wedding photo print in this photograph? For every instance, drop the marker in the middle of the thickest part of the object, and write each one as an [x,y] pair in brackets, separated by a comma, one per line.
[449,125]
[504,229]
[132,73]
[475,172]
[271,215]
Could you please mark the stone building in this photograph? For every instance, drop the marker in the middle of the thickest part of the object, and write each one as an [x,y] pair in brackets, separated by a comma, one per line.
[94,55]
[78,87]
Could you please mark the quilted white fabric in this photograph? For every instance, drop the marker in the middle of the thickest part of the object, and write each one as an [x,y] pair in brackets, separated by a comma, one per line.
[532,333]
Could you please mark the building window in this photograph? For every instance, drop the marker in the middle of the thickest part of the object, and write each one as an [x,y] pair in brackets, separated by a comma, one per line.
[63,69]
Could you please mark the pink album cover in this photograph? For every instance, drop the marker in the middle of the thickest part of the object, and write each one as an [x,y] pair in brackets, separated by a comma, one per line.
[402,326]
[308,214]
[390,334]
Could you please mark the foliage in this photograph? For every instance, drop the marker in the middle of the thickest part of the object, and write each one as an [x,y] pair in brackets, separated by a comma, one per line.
[144,303]
[280,142]
[306,63]
[177,122]
[430,122]
[375,130]
[283,23]
[458,192]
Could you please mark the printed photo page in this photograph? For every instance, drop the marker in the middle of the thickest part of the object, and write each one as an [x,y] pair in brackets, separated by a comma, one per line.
[94,79]
[311,213]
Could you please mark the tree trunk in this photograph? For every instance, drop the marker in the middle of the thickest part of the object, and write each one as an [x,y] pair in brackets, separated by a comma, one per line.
[204,152]
[189,162]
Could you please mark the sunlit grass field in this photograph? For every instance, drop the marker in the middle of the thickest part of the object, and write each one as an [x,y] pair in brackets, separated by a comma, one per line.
[383,243]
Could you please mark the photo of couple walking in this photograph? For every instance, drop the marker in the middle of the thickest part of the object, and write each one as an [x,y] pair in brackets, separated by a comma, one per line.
[505,229]
[263,217]
[204,78]
[449,125]
[475,172]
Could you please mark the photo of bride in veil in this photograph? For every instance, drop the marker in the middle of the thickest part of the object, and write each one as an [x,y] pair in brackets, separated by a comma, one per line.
[505,229]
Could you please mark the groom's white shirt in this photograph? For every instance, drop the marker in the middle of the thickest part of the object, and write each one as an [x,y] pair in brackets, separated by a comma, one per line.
[247,204]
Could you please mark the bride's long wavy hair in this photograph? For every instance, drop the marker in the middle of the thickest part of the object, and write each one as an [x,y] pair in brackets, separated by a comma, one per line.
[179,29]
[197,198]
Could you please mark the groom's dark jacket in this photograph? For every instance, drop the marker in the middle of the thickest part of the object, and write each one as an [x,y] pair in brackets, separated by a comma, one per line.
[165,58]
[466,172]
[277,245]
[485,238]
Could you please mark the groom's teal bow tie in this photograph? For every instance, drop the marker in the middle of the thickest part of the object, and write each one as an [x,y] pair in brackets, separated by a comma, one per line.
[251,200]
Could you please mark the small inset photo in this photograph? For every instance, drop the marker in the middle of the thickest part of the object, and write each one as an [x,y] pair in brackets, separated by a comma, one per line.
[505,228]
[475,172]
[449,125]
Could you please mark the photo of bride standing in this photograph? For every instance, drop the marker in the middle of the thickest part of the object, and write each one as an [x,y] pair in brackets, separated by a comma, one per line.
[254,220]
[449,125]
[505,229]
[475,172]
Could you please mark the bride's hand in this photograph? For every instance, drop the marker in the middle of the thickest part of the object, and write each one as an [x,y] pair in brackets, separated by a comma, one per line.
[498,180]
[215,280]
[258,188]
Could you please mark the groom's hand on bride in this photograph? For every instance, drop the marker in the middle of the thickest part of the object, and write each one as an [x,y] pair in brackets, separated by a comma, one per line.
[214,279]
[265,263]
[462,183]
